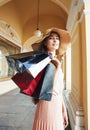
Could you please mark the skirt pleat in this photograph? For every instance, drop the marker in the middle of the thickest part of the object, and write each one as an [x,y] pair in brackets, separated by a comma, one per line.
[46,126]
[48,115]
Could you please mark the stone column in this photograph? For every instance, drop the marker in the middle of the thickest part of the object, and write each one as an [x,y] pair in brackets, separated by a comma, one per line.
[86,62]
[75,99]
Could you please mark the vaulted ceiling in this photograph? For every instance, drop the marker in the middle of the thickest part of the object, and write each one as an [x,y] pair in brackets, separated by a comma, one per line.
[22,15]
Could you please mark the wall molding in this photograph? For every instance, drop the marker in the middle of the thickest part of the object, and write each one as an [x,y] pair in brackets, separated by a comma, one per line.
[76,112]
[79,123]
[76,6]
[9,33]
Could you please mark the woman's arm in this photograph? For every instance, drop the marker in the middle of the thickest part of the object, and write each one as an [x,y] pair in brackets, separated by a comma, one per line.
[57,63]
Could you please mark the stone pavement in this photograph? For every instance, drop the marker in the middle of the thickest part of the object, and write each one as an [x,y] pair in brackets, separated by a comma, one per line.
[16,111]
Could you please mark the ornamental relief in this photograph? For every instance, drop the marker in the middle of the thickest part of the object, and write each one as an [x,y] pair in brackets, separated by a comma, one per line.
[8,32]
[76,7]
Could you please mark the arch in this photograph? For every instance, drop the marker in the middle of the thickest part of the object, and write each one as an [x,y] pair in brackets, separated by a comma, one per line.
[60,4]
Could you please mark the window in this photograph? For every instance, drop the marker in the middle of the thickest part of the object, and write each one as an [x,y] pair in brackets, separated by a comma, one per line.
[6,48]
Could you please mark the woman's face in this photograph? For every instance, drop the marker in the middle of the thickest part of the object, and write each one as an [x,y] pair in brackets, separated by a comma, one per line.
[53,42]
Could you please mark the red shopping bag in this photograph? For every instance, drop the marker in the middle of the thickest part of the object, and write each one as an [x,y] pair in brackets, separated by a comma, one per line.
[26,82]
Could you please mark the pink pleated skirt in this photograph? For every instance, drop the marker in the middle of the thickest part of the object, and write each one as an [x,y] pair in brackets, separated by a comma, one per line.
[48,114]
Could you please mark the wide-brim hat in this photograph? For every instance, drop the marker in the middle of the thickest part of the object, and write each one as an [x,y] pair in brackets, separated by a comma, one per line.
[65,40]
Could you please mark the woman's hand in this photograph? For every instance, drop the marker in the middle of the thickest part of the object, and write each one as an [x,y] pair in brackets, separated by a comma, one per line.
[64,114]
[56,62]
[65,119]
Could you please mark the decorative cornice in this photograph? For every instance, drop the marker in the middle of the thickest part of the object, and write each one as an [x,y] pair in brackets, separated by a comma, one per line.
[76,6]
[9,33]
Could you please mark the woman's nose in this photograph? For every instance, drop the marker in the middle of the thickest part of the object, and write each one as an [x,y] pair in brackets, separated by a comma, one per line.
[54,39]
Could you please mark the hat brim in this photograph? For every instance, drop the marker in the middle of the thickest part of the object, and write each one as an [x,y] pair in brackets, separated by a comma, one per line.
[65,39]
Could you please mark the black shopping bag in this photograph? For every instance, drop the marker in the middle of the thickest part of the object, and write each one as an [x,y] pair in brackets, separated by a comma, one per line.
[34,61]
[44,88]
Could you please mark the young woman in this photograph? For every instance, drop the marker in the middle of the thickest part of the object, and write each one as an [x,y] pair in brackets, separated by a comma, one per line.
[52,115]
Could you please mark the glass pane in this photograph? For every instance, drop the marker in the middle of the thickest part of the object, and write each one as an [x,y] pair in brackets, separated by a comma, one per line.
[6,49]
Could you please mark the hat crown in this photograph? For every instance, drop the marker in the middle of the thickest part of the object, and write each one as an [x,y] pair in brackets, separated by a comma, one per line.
[65,39]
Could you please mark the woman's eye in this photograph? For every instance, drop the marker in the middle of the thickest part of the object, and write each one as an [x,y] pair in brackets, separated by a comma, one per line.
[50,37]
[57,38]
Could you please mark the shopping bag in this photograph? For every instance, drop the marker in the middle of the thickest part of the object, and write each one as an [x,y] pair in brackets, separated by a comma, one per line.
[40,87]
[26,82]
[34,61]
[44,88]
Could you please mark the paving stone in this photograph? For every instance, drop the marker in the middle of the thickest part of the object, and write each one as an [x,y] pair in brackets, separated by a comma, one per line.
[3,128]
[16,111]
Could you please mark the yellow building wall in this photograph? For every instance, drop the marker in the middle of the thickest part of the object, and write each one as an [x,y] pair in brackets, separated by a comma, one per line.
[9,13]
[76,66]
[84,74]
[86,63]
[80,62]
